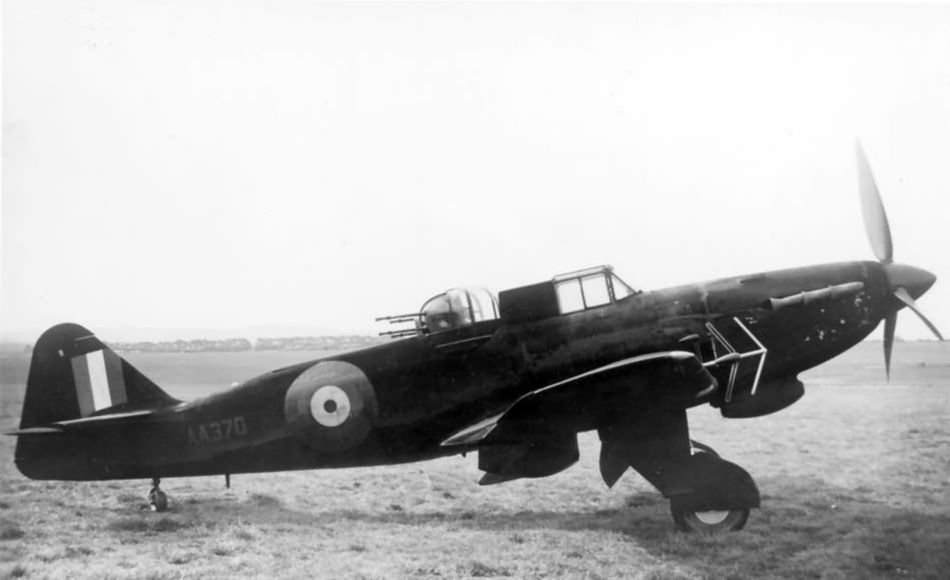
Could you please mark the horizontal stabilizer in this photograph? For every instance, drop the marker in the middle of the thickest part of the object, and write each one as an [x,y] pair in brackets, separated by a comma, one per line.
[100,419]
[35,431]
[73,424]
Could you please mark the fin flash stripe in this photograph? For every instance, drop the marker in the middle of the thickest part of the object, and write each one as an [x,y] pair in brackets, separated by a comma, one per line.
[99,381]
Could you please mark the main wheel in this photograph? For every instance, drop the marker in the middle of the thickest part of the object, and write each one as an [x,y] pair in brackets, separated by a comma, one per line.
[711,522]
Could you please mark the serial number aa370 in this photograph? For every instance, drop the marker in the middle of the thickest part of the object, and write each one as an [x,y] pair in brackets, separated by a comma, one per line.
[513,378]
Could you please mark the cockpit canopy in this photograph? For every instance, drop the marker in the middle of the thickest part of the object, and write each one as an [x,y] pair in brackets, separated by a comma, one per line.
[457,308]
[563,294]
[461,308]
[588,288]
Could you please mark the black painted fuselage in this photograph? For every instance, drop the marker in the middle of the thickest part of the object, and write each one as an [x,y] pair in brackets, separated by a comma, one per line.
[424,388]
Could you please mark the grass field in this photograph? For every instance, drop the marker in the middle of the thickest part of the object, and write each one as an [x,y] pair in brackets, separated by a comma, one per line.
[855,481]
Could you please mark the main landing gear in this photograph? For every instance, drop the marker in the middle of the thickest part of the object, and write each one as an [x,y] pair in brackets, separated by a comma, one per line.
[157,500]
[709,521]
[707,494]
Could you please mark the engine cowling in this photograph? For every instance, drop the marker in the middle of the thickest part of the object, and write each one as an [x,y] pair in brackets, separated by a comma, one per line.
[331,406]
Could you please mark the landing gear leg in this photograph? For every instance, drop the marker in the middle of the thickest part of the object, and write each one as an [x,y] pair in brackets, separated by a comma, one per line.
[157,500]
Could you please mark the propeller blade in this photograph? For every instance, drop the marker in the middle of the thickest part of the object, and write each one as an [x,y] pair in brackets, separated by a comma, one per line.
[890,324]
[875,218]
[905,297]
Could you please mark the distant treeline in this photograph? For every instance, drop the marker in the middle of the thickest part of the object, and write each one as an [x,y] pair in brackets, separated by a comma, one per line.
[197,345]
[345,342]
[242,344]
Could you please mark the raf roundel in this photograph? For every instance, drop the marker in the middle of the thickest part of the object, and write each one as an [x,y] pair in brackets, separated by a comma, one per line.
[330,406]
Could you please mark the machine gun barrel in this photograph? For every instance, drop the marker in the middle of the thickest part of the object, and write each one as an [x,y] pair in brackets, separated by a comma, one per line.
[400,333]
[398,318]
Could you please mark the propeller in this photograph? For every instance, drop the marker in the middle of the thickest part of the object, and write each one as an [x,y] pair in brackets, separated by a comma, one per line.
[907,282]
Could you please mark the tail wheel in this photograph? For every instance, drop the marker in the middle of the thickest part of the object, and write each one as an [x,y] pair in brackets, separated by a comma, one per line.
[711,522]
[157,500]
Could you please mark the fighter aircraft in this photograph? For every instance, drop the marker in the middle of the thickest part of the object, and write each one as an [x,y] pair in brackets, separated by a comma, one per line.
[514,379]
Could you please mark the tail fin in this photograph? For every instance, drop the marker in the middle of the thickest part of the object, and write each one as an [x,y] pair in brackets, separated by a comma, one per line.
[74,375]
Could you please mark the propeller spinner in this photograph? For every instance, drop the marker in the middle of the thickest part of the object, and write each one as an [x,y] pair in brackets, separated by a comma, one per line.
[906,282]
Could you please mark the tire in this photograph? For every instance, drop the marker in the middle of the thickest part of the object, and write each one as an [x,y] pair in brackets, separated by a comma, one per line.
[712,522]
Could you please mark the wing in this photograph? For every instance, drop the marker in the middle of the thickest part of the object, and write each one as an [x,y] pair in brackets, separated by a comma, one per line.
[537,435]
[674,380]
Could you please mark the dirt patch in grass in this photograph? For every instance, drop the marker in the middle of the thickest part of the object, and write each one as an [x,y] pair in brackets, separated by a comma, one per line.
[129,524]
[147,524]
[78,551]
[264,500]
[128,499]
[10,531]
[243,533]
[181,559]
[482,570]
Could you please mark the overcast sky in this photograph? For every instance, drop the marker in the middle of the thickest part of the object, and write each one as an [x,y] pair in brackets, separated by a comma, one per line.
[234,165]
